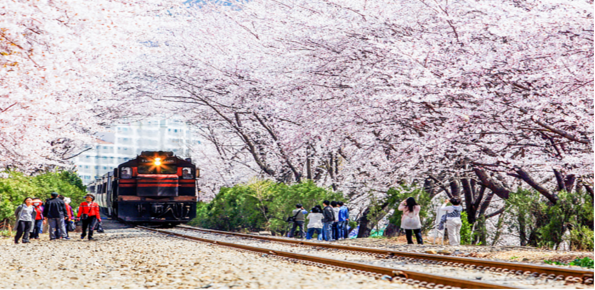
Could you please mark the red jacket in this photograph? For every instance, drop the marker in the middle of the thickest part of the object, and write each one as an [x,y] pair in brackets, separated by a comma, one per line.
[91,209]
[69,211]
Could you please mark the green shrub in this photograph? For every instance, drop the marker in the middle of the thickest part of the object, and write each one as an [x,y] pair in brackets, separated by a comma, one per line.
[260,205]
[466,230]
[585,262]
[543,224]
[17,186]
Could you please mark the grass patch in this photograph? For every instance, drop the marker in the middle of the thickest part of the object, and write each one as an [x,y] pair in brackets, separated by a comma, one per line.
[585,262]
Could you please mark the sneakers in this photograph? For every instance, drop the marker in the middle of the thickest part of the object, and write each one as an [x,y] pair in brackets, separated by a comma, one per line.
[82,237]
[67,238]
[91,239]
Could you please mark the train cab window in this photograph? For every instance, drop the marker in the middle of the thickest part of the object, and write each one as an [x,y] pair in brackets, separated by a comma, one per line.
[186,173]
[126,173]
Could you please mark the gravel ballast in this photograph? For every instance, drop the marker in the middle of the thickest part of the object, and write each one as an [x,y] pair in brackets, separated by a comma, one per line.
[484,276]
[132,258]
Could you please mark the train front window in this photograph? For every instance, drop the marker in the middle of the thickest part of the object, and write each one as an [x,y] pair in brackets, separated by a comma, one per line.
[126,173]
[151,169]
[187,173]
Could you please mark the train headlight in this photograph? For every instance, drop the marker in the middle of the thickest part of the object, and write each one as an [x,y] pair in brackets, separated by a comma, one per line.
[157,161]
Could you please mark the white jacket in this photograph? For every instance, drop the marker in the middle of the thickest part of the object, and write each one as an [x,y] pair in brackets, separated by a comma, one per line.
[315,220]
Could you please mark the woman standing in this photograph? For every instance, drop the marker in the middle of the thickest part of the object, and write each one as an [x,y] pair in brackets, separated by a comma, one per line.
[89,214]
[410,220]
[453,220]
[25,215]
[70,215]
[314,223]
[39,221]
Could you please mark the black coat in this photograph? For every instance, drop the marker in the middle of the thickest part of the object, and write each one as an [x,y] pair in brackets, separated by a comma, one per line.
[328,215]
[54,208]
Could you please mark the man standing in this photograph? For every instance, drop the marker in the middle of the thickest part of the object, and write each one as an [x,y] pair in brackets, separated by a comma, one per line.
[54,212]
[299,213]
[343,220]
[327,220]
[335,226]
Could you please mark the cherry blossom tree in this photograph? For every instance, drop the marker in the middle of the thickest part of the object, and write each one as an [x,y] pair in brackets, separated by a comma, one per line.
[56,58]
[362,95]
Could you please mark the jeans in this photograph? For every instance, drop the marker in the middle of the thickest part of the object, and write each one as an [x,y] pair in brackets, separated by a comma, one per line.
[88,223]
[38,224]
[311,232]
[454,231]
[345,230]
[335,230]
[297,224]
[57,229]
[326,231]
[23,229]
[341,229]
[63,228]
[417,232]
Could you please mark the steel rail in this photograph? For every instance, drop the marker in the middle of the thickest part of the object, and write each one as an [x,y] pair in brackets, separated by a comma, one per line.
[585,275]
[429,279]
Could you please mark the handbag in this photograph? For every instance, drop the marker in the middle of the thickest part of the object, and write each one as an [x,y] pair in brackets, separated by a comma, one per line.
[71,226]
[99,227]
[442,222]
[292,218]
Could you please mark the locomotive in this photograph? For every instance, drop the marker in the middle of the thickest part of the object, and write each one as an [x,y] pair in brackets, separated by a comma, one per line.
[155,187]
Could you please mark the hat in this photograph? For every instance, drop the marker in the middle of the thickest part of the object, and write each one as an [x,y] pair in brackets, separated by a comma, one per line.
[298,205]
[54,194]
[91,195]
[67,200]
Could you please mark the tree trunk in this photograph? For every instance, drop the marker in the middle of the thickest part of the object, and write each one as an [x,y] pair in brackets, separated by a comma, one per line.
[455,190]
[524,175]
[391,230]
[469,202]
[364,231]
[589,189]
[494,186]
[522,233]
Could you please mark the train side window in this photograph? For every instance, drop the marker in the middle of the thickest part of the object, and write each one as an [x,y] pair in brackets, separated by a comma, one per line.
[126,173]
[186,173]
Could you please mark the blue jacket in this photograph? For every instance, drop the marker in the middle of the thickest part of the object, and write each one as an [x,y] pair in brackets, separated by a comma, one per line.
[343,214]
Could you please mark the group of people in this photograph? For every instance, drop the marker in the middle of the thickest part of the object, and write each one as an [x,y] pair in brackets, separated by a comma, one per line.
[330,221]
[451,220]
[33,214]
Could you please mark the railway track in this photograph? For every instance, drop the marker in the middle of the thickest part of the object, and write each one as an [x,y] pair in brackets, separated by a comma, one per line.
[550,272]
[405,276]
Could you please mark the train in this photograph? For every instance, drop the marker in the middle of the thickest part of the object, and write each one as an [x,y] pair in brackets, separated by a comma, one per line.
[156,187]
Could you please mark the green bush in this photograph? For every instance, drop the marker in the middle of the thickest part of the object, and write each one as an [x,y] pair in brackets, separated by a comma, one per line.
[466,230]
[17,186]
[260,205]
[543,224]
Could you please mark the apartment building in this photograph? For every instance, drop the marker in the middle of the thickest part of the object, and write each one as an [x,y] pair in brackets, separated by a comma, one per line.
[125,141]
